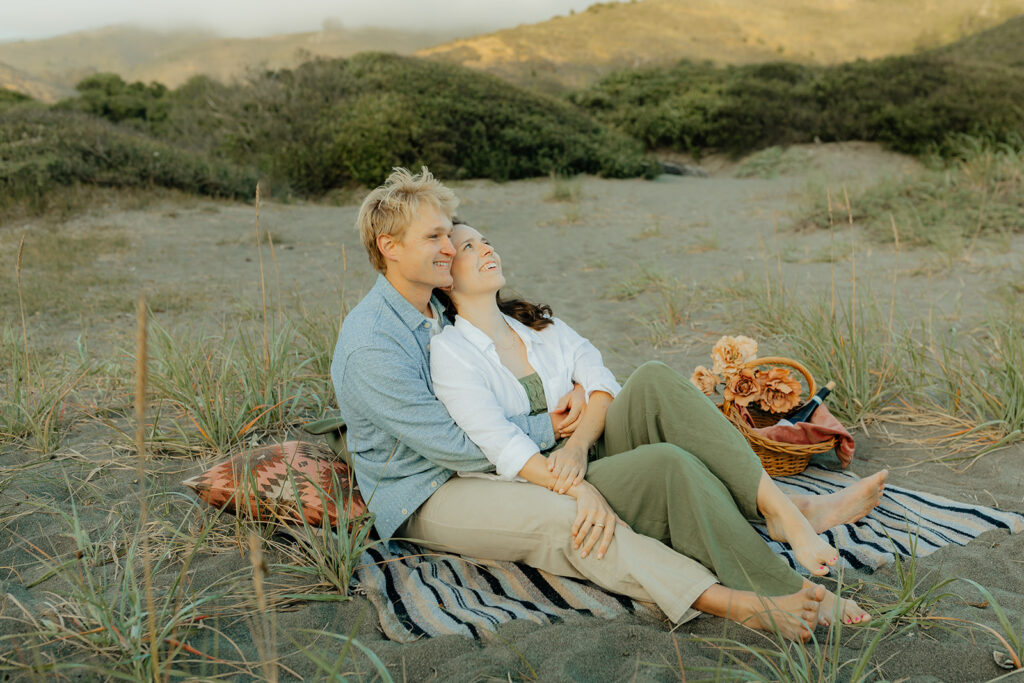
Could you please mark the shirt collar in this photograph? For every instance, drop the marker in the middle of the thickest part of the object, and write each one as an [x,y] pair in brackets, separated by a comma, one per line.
[405,310]
[480,340]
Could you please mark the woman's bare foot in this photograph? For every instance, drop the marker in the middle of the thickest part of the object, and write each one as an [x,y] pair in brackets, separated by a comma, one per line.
[847,610]
[842,507]
[793,616]
[787,524]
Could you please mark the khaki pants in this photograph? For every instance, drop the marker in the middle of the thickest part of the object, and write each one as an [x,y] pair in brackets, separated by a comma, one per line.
[521,522]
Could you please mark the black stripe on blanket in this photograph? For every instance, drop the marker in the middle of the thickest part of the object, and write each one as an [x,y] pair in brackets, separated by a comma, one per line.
[420,595]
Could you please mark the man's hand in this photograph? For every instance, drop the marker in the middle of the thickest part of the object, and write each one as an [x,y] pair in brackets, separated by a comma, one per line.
[567,414]
[569,465]
[595,520]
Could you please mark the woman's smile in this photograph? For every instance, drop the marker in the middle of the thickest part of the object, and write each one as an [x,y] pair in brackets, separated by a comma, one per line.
[476,268]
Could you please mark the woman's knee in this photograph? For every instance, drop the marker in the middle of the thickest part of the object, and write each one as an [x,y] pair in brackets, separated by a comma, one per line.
[657,379]
[667,461]
[649,371]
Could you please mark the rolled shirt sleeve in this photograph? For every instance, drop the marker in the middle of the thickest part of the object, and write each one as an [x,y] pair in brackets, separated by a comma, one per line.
[588,369]
[464,390]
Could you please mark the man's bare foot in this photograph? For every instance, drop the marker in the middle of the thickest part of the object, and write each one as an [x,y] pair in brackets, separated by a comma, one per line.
[847,610]
[842,507]
[792,616]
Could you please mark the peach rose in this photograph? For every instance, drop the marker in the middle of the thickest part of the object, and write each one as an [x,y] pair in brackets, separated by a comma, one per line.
[780,391]
[742,388]
[705,380]
[730,353]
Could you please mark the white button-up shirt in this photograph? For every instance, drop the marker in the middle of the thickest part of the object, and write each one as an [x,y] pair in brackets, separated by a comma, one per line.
[481,394]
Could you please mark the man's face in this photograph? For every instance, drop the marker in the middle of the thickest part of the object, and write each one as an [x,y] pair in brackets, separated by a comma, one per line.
[423,259]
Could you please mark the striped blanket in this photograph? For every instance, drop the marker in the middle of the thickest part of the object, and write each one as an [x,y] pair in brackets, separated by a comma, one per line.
[419,595]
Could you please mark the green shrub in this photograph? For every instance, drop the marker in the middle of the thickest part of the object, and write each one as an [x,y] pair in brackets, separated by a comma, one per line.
[332,122]
[10,97]
[45,149]
[911,103]
[108,96]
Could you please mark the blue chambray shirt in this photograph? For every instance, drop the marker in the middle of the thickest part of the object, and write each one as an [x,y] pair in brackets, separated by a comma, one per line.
[402,441]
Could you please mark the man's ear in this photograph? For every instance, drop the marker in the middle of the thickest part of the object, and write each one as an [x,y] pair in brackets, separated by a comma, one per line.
[387,244]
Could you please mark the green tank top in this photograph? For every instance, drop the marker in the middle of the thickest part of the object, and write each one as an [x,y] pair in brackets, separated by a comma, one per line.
[534,387]
[535,393]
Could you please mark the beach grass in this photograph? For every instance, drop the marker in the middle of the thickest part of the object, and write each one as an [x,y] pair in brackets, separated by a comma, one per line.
[36,407]
[98,618]
[564,189]
[975,192]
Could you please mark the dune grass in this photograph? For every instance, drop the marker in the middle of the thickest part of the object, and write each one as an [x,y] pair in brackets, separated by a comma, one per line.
[564,189]
[36,393]
[971,381]
[977,191]
[99,615]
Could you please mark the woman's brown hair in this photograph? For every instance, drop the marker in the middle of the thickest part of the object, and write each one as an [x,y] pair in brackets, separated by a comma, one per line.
[534,316]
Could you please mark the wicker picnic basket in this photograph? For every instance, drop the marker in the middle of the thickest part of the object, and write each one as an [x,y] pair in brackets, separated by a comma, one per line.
[779,459]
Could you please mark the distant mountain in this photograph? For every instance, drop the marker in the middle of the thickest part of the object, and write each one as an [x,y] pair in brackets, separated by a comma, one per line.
[26,84]
[573,50]
[172,57]
[1003,45]
[564,52]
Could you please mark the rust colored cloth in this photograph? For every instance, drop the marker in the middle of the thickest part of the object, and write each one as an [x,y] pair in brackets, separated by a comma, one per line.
[287,481]
[822,427]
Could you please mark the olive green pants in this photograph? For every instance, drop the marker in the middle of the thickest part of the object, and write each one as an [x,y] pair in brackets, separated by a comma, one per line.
[675,469]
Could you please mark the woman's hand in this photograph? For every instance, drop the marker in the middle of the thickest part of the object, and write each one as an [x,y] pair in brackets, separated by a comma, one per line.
[567,414]
[595,520]
[568,465]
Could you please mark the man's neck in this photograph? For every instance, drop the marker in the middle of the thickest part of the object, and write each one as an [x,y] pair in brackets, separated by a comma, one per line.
[416,294]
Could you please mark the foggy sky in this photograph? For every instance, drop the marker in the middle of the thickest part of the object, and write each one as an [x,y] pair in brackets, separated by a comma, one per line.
[26,20]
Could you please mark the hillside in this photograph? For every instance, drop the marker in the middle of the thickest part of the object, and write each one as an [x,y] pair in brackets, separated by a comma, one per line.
[172,57]
[1003,45]
[572,51]
[26,84]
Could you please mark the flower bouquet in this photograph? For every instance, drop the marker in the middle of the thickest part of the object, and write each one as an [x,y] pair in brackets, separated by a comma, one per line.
[757,393]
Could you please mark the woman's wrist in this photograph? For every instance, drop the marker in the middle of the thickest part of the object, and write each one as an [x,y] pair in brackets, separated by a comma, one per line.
[576,490]
[579,441]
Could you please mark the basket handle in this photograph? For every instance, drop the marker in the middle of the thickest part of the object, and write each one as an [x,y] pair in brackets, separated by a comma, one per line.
[776,360]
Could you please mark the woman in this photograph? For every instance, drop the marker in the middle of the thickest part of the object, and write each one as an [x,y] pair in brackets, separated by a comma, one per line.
[490,366]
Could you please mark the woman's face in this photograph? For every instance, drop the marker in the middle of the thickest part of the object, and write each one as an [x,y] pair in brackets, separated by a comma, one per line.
[476,268]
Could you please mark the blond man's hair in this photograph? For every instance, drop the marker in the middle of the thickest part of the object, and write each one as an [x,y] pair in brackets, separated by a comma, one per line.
[389,209]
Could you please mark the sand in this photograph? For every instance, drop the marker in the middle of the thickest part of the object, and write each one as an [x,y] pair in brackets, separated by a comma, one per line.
[589,259]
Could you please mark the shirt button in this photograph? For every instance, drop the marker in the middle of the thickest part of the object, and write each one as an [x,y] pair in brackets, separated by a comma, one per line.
[426,324]
[543,444]
[404,511]
[433,484]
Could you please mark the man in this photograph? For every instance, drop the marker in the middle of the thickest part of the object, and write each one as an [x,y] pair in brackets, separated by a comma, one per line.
[406,450]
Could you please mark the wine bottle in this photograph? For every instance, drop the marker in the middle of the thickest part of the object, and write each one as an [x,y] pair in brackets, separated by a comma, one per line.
[804,412]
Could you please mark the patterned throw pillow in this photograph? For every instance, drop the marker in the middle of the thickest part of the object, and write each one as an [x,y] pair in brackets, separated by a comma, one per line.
[276,481]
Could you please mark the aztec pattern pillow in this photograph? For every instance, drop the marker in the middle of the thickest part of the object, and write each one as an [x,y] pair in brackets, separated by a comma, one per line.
[280,480]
